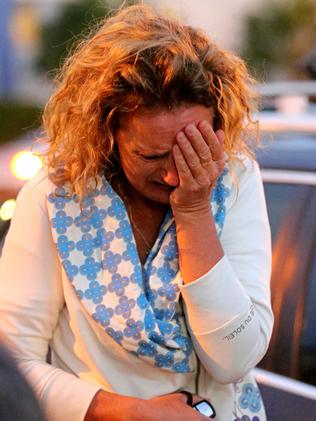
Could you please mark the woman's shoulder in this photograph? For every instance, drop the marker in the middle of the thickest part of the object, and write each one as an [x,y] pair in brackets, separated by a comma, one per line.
[238,170]
[38,188]
[243,175]
[243,165]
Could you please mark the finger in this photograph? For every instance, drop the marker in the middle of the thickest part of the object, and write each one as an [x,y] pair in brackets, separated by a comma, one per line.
[215,144]
[183,395]
[220,136]
[199,144]
[201,173]
[197,399]
[191,157]
[188,397]
[189,154]
[183,169]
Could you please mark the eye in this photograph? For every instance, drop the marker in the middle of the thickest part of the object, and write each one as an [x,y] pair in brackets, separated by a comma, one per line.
[151,157]
[154,157]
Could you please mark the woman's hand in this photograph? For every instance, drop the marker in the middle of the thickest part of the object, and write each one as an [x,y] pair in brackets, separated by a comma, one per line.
[112,407]
[169,407]
[199,159]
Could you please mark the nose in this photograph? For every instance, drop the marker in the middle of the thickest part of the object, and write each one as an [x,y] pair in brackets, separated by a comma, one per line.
[170,173]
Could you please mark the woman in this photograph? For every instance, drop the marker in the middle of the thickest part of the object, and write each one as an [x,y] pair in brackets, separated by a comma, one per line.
[141,256]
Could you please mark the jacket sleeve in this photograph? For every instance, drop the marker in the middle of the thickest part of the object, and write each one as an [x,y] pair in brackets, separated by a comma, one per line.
[228,310]
[31,298]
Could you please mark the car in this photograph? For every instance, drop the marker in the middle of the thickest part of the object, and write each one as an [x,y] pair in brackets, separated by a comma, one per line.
[288,167]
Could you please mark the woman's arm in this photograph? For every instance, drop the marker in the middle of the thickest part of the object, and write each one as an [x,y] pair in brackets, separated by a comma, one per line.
[228,309]
[112,407]
[199,159]
[31,298]
[226,290]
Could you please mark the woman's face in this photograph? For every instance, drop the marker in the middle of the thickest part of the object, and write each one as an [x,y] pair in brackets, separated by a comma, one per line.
[145,139]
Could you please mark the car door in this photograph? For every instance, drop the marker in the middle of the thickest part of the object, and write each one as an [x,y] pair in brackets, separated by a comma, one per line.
[291,201]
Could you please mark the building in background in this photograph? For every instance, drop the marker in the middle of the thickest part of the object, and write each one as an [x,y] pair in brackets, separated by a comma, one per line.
[6,65]
[20,41]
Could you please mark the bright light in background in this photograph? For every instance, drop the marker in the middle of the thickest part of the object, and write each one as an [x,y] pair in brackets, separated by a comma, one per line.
[25,165]
[7,209]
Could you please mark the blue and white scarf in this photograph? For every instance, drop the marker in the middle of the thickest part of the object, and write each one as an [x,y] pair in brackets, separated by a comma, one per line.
[137,306]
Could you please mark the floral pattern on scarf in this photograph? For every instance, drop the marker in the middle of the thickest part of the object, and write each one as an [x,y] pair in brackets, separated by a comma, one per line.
[137,306]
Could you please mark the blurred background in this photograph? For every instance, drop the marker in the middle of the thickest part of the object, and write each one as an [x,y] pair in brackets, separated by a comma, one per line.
[277,38]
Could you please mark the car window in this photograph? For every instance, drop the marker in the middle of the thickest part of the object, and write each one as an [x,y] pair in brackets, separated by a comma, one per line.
[279,197]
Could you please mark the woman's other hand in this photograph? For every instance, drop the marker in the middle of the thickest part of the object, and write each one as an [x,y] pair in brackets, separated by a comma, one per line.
[112,407]
[171,407]
[199,159]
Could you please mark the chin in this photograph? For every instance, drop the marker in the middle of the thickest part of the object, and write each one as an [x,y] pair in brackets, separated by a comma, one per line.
[155,192]
[162,197]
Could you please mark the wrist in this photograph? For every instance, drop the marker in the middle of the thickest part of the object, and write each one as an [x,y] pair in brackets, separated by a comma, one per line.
[94,407]
[107,406]
[192,212]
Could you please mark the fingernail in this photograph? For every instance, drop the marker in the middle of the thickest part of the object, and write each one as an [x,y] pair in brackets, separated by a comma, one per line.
[181,137]
[204,124]
[190,129]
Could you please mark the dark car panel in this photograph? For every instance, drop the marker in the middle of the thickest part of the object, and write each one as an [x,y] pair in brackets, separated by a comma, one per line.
[288,406]
[289,172]
[294,241]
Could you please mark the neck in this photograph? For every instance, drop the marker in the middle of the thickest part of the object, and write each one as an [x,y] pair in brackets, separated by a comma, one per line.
[145,216]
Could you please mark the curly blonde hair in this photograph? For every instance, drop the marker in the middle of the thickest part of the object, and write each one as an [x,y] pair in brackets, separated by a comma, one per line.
[138,58]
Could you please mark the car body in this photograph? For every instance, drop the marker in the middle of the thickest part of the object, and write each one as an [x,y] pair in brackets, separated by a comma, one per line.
[288,166]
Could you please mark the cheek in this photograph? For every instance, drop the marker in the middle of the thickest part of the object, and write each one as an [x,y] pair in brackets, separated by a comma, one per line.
[128,162]
[138,171]
[129,166]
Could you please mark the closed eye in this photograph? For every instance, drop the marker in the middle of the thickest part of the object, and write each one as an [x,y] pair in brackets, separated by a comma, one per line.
[153,157]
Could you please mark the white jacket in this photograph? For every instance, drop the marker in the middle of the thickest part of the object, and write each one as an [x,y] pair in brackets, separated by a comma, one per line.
[228,312]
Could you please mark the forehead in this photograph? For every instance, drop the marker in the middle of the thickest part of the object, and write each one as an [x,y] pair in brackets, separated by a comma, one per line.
[157,128]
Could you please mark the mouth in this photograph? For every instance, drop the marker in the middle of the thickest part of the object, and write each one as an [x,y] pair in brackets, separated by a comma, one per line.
[163,186]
